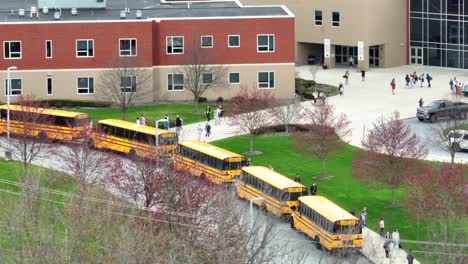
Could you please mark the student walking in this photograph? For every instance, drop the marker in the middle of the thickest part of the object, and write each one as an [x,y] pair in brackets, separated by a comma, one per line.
[363,75]
[313,189]
[138,122]
[178,124]
[421,79]
[386,247]
[428,79]
[407,80]
[341,89]
[216,117]
[346,77]
[351,61]
[382,227]
[199,130]
[421,102]
[297,178]
[143,120]
[207,129]
[396,238]
[208,113]
[410,257]
[451,85]
[393,85]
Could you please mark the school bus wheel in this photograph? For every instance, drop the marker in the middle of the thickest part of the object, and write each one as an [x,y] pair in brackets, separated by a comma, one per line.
[317,243]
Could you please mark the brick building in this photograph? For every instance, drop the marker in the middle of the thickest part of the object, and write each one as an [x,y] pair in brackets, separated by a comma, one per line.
[60,53]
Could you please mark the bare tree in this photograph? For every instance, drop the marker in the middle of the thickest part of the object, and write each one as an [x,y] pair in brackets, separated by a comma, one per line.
[287,114]
[201,70]
[391,152]
[30,141]
[314,70]
[125,83]
[324,132]
[248,112]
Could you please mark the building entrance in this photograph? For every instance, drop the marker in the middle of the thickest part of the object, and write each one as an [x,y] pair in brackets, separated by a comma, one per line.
[342,54]
[416,55]
[374,56]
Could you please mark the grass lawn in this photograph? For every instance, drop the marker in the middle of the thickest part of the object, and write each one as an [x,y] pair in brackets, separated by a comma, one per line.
[151,112]
[342,189]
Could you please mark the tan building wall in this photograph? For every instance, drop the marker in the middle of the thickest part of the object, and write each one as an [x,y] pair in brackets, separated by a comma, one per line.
[65,83]
[375,22]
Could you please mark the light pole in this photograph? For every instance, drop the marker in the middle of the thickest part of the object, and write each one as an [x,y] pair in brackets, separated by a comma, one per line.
[251,208]
[8,99]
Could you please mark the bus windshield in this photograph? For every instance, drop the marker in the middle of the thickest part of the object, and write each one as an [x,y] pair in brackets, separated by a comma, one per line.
[81,122]
[234,165]
[294,196]
[347,229]
[172,140]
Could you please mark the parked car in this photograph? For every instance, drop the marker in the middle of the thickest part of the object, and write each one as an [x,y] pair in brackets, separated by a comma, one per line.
[441,109]
[459,139]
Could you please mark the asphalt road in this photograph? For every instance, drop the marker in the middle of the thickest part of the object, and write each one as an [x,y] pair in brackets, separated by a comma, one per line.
[428,133]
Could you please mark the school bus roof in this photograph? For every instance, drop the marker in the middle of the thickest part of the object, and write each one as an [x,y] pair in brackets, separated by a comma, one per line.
[48,111]
[132,126]
[326,208]
[272,177]
[209,149]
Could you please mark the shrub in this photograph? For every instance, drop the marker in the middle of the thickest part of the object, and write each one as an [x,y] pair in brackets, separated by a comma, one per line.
[202,100]
[308,95]
[219,100]
[73,103]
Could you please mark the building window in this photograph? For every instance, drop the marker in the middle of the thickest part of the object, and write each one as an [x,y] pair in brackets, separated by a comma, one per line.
[128,84]
[336,19]
[175,82]
[128,47]
[207,78]
[206,41]
[16,87]
[85,85]
[318,18]
[234,41]
[48,49]
[234,78]
[12,49]
[266,80]
[175,45]
[266,43]
[85,48]
[49,86]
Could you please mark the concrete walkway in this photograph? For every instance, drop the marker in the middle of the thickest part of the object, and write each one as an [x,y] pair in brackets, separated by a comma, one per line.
[363,102]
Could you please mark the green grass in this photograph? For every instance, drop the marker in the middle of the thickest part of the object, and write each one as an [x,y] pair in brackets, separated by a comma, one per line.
[151,112]
[342,189]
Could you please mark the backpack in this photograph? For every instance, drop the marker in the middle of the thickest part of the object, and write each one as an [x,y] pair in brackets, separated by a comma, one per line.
[430,78]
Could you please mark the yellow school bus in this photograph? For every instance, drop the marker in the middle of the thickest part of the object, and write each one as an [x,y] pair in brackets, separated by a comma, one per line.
[42,122]
[329,225]
[205,160]
[280,194]
[137,140]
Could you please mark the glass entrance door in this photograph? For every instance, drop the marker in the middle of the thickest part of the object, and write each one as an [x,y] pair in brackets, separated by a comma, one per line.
[416,55]
[374,56]
[342,54]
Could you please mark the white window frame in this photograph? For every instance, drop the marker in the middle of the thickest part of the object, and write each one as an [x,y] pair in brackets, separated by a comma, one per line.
[172,42]
[268,44]
[11,89]
[51,49]
[206,36]
[315,18]
[172,80]
[130,50]
[229,45]
[268,83]
[229,78]
[78,88]
[339,19]
[203,77]
[87,50]
[20,52]
[52,86]
[133,81]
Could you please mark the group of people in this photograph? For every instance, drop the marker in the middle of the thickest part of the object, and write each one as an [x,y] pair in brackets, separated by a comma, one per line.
[313,187]
[413,79]
[141,120]
[217,116]
[457,87]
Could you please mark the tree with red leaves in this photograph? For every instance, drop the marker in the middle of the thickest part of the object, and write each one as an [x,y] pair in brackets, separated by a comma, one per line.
[322,133]
[248,112]
[29,140]
[438,197]
[391,152]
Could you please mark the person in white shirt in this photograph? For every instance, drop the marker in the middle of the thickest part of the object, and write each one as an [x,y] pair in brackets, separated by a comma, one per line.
[138,122]
[396,238]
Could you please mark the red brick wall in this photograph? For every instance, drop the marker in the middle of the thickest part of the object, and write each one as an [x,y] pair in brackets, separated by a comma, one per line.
[64,35]
[283,28]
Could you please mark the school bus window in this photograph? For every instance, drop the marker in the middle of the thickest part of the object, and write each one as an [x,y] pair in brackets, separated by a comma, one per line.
[3,114]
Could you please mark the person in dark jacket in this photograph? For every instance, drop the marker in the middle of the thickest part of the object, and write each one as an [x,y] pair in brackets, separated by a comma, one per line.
[386,247]
[363,74]
[429,79]
[410,257]
[297,178]
[178,124]
[407,80]
[208,113]
[207,129]
[313,189]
